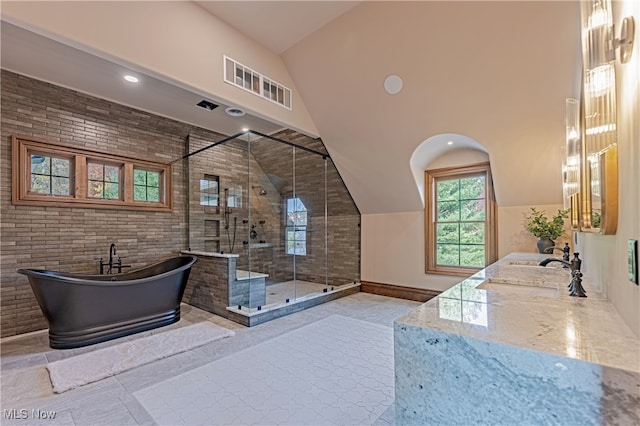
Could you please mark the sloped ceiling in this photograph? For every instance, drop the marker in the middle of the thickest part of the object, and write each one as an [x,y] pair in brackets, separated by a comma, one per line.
[278,25]
[496,72]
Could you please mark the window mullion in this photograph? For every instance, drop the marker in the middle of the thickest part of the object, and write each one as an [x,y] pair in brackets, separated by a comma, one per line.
[127,182]
[80,176]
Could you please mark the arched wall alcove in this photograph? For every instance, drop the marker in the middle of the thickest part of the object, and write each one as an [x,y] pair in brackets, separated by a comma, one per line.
[444,150]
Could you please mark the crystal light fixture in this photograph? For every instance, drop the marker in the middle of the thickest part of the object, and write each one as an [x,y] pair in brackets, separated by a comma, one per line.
[571,166]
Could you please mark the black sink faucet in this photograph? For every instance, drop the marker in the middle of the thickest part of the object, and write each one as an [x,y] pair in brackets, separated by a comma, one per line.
[575,286]
[565,251]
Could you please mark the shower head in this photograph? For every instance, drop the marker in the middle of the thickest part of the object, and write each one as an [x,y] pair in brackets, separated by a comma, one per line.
[262,191]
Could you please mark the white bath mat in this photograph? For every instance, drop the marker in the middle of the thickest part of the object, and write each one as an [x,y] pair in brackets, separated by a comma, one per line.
[89,367]
[338,370]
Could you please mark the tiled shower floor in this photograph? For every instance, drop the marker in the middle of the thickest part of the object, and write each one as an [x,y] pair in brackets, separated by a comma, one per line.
[313,365]
[280,292]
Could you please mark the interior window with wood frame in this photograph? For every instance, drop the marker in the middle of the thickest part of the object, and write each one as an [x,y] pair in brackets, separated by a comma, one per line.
[53,174]
[460,220]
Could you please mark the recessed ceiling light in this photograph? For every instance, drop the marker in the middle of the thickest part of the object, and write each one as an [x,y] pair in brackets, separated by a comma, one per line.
[234,112]
[131,79]
[245,129]
[450,143]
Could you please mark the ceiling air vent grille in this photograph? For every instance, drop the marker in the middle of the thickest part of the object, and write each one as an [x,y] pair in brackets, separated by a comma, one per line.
[245,78]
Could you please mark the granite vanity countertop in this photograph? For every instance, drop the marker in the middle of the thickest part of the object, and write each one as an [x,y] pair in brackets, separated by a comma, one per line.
[515,302]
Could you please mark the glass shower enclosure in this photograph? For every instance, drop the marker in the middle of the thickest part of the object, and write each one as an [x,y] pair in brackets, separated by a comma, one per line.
[279,204]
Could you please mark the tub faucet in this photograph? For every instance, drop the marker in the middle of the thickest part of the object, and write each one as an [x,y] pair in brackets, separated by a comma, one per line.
[112,253]
[575,286]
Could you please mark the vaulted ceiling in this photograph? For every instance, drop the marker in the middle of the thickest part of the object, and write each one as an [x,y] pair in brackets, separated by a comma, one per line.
[495,73]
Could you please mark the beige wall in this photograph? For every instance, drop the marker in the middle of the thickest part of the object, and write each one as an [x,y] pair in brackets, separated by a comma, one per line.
[511,233]
[176,41]
[393,246]
[474,68]
[393,251]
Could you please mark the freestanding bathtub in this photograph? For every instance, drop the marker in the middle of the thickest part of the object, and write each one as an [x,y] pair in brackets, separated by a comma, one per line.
[86,309]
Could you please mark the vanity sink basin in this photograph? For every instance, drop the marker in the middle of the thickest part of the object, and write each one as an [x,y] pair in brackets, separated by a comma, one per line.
[531,263]
[519,288]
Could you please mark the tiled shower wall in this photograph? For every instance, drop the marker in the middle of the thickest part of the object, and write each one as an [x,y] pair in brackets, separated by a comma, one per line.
[270,166]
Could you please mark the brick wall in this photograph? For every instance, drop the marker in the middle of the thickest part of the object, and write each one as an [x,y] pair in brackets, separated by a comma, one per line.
[74,239]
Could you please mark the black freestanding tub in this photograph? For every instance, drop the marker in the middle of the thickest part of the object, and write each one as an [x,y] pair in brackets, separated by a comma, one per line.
[86,309]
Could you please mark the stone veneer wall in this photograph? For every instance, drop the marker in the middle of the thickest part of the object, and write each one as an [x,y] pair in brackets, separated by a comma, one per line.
[74,239]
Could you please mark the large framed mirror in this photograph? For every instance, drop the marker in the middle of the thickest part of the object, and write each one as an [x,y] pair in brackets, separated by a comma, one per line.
[600,158]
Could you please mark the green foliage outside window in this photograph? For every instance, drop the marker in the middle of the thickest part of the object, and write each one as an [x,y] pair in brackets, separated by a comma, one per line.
[50,175]
[296,230]
[460,222]
[104,181]
[146,185]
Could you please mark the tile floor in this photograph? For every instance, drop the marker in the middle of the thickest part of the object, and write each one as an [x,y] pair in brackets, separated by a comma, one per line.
[329,364]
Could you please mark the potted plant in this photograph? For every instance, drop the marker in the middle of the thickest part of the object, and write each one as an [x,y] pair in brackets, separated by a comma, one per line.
[546,230]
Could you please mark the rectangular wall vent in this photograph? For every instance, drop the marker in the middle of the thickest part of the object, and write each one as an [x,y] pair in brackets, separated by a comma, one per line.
[245,78]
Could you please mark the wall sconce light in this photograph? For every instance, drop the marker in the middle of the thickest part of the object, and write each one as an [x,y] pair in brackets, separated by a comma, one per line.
[600,33]
[572,162]
[625,42]
[600,45]
[573,151]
